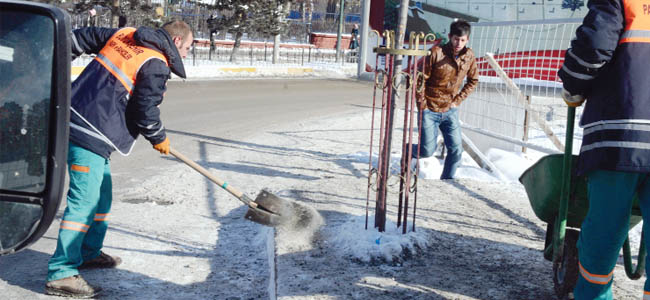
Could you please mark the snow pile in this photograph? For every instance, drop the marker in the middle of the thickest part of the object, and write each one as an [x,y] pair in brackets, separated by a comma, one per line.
[430,167]
[511,164]
[233,70]
[212,70]
[352,240]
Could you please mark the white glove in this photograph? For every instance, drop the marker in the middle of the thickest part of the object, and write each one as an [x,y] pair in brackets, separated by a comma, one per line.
[572,100]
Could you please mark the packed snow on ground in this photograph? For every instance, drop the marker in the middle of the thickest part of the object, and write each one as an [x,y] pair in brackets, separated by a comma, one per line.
[369,245]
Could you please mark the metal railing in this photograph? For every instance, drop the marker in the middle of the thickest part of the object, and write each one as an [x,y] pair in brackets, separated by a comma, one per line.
[202,56]
[253,55]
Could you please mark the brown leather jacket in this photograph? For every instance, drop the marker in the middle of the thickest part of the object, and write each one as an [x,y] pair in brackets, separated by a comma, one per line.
[444,75]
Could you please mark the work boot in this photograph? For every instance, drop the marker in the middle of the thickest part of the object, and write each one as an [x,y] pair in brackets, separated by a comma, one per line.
[74,287]
[103,261]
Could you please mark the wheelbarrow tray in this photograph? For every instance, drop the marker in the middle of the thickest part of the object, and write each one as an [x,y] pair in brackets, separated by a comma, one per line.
[543,184]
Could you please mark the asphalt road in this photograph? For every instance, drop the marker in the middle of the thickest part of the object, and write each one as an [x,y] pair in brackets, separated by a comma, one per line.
[232,110]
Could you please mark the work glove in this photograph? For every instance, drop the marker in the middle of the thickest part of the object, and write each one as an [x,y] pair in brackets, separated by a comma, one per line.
[163,147]
[572,100]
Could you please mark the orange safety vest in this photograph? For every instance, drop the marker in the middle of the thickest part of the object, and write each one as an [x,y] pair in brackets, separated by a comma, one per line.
[637,22]
[123,58]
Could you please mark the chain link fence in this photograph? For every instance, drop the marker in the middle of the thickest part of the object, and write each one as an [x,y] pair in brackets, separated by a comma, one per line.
[518,104]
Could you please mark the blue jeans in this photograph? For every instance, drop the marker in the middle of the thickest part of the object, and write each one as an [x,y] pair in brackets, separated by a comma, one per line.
[605,228]
[450,127]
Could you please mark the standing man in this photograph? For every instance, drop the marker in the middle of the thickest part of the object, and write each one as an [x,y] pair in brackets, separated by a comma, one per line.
[114,100]
[606,64]
[354,37]
[444,72]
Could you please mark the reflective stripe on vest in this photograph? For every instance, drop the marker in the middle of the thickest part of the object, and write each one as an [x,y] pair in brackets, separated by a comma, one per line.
[646,295]
[596,279]
[637,22]
[123,58]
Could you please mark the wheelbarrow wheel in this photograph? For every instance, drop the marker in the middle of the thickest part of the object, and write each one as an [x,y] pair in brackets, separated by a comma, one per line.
[565,269]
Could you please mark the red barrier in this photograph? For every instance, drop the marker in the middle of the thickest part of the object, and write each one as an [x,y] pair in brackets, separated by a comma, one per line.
[536,64]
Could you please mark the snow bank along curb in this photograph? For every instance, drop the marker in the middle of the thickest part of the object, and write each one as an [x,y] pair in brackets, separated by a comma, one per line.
[234,71]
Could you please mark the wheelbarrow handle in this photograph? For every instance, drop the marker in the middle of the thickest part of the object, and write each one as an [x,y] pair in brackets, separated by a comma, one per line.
[630,271]
[224,185]
[560,224]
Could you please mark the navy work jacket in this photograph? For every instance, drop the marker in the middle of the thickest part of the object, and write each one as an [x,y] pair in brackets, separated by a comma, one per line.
[607,63]
[116,99]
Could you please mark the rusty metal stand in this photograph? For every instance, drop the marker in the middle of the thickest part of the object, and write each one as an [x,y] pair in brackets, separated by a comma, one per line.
[392,80]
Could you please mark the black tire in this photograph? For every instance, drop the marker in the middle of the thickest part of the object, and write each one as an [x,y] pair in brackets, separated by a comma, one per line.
[565,269]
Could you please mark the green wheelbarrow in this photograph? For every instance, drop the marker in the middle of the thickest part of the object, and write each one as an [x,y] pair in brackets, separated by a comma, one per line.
[559,198]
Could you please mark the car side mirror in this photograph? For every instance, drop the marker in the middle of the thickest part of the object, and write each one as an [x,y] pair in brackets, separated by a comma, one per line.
[34,116]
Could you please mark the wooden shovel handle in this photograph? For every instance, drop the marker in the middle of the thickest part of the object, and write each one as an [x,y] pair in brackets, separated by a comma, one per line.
[224,185]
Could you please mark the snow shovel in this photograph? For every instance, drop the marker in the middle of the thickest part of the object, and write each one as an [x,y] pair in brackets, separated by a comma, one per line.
[267,209]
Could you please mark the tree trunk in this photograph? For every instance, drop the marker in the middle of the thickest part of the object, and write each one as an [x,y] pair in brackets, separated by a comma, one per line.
[276,48]
[287,8]
[276,41]
[197,20]
[212,33]
[303,10]
[235,47]
[340,30]
[380,216]
[115,13]
[311,13]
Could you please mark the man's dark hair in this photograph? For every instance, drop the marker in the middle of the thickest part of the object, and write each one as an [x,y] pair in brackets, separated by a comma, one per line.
[460,28]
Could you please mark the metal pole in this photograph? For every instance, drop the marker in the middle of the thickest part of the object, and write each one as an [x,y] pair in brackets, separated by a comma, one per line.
[419,120]
[363,46]
[384,148]
[340,32]
[372,131]
[412,103]
[526,125]
[403,169]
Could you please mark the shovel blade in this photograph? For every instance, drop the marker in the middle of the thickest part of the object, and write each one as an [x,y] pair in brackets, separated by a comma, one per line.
[271,210]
